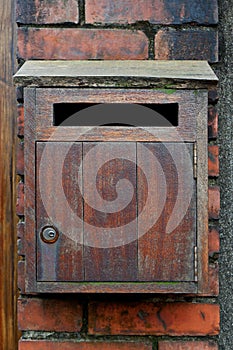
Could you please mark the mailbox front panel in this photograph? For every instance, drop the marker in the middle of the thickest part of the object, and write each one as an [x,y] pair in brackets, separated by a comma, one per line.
[116,208]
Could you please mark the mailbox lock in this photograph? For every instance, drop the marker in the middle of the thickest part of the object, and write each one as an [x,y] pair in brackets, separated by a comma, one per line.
[49,234]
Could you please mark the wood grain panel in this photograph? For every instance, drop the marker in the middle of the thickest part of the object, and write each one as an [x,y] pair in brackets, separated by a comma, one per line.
[29,179]
[107,229]
[119,287]
[61,207]
[163,255]
[114,73]
[111,250]
[186,99]
[202,193]
[108,133]
[8,290]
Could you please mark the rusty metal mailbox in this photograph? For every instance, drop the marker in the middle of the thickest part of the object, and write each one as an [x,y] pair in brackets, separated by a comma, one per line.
[116,176]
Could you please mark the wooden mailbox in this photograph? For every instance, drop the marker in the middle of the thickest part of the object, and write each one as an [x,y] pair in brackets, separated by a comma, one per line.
[116,176]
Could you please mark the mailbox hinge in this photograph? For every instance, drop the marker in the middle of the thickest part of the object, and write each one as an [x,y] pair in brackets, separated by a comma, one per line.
[195,264]
[195,160]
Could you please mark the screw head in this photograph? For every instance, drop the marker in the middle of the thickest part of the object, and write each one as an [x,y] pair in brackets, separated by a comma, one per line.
[49,234]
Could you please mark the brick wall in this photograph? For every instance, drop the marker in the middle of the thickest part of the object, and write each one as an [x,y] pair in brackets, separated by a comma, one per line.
[132,29]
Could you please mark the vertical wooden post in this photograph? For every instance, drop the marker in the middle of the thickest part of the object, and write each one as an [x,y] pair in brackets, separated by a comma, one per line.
[8,333]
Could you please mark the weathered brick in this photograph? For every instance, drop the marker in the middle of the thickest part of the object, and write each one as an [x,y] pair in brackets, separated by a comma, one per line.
[214,241]
[214,279]
[20,158]
[20,235]
[21,276]
[212,122]
[190,44]
[150,318]
[213,160]
[20,199]
[154,11]
[187,345]
[47,11]
[65,345]
[70,43]
[20,120]
[20,229]
[214,202]
[53,314]
[213,272]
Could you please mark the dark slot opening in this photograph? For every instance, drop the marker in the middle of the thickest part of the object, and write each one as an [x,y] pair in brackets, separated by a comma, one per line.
[115,114]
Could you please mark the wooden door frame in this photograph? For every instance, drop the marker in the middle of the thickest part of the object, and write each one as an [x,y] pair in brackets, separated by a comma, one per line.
[8,290]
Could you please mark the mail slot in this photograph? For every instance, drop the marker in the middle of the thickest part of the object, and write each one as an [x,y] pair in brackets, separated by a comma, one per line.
[116,176]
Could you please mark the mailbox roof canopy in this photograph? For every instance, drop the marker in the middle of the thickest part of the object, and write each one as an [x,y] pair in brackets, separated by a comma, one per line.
[165,74]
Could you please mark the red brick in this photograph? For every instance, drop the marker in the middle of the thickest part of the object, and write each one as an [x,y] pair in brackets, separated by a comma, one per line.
[20,120]
[155,11]
[187,345]
[214,279]
[60,345]
[20,229]
[214,241]
[214,202]
[154,319]
[53,314]
[21,276]
[47,11]
[213,160]
[20,199]
[20,235]
[20,159]
[190,44]
[70,43]
[212,122]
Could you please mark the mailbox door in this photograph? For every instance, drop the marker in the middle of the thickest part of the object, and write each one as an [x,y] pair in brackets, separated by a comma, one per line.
[118,211]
